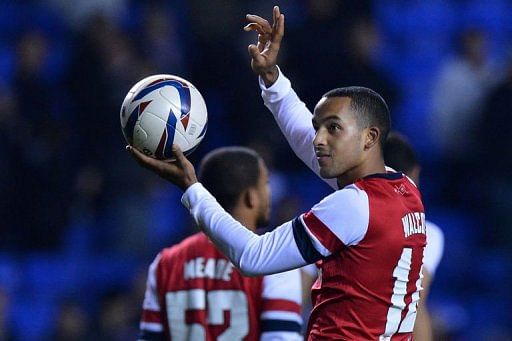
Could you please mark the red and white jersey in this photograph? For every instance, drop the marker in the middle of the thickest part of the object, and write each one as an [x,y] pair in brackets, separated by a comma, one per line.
[371,233]
[369,236]
[194,293]
[369,281]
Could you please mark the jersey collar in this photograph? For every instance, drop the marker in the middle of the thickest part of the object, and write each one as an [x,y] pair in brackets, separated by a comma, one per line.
[387,176]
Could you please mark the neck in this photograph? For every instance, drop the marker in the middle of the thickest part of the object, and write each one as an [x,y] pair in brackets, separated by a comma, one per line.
[245,217]
[372,166]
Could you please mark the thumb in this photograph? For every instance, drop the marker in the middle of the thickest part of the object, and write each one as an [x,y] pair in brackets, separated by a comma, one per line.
[254,52]
[176,150]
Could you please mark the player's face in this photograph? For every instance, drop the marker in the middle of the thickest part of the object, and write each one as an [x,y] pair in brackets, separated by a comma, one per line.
[338,142]
[264,196]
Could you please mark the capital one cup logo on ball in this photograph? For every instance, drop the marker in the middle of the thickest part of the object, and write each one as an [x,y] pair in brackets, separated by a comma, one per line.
[163,110]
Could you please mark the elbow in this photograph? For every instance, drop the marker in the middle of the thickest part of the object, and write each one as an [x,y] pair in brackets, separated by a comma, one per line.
[248,270]
[248,266]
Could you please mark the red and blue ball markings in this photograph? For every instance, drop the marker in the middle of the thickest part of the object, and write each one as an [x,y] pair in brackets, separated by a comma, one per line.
[132,119]
[164,149]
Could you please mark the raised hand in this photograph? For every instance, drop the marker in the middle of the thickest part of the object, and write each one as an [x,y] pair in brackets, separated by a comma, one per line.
[264,53]
[180,172]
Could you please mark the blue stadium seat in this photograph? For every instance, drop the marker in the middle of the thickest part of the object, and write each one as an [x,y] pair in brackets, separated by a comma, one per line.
[6,65]
[33,318]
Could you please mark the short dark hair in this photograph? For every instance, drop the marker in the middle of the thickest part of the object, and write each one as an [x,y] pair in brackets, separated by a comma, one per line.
[399,154]
[226,172]
[371,108]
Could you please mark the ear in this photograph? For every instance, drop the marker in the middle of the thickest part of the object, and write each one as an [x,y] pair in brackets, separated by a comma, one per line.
[372,137]
[251,198]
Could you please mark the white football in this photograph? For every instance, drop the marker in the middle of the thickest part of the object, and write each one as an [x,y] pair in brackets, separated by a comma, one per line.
[163,110]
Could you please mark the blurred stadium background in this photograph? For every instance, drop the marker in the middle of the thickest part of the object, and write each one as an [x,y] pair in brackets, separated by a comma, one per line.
[80,222]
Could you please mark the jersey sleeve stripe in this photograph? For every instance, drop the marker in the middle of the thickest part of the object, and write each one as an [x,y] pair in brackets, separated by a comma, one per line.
[326,237]
[151,327]
[304,244]
[280,325]
[151,316]
[146,335]
[281,315]
[281,305]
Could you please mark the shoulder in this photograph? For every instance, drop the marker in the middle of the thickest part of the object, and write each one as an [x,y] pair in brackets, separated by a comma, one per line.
[344,213]
[381,188]
[348,198]
[349,204]
[194,243]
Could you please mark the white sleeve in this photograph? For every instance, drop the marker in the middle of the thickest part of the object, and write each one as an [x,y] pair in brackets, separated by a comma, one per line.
[253,255]
[340,219]
[151,323]
[281,309]
[294,120]
[311,270]
[434,249]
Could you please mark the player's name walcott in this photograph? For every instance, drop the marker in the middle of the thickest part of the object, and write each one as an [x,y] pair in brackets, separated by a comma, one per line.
[413,223]
[208,268]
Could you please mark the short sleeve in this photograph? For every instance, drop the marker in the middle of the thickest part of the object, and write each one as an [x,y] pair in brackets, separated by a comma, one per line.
[434,249]
[281,309]
[341,219]
[151,323]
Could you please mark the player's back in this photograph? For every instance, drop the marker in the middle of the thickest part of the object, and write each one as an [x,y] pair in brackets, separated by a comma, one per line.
[370,290]
[203,296]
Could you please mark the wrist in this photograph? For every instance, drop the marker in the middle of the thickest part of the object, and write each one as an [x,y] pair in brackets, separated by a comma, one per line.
[187,184]
[270,76]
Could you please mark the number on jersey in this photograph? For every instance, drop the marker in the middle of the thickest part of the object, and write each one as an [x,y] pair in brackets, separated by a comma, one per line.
[214,303]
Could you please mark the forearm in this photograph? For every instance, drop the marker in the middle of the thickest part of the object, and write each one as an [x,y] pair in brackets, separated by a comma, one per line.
[292,117]
[423,326]
[294,120]
[252,254]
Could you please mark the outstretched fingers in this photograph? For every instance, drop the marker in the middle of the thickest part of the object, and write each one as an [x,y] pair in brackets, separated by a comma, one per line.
[254,27]
[260,22]
[142,159]
[180,172]
[178,154]
[278,27]
[275,15]
[254,52]
[157,166]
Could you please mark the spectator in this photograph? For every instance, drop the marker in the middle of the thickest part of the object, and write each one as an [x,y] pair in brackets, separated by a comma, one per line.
[72,323]
[493,144]
[459,92]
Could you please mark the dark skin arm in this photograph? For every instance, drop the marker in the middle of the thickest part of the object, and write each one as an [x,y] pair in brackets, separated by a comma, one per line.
[423,327]
[264,53]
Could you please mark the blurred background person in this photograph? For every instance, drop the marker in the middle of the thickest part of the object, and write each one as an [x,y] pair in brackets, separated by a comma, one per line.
[73,323]
[492,136]
[400,156]
[459,93]
[194,271]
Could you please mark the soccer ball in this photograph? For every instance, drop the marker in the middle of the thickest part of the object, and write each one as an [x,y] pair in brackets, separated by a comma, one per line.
[163,110]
